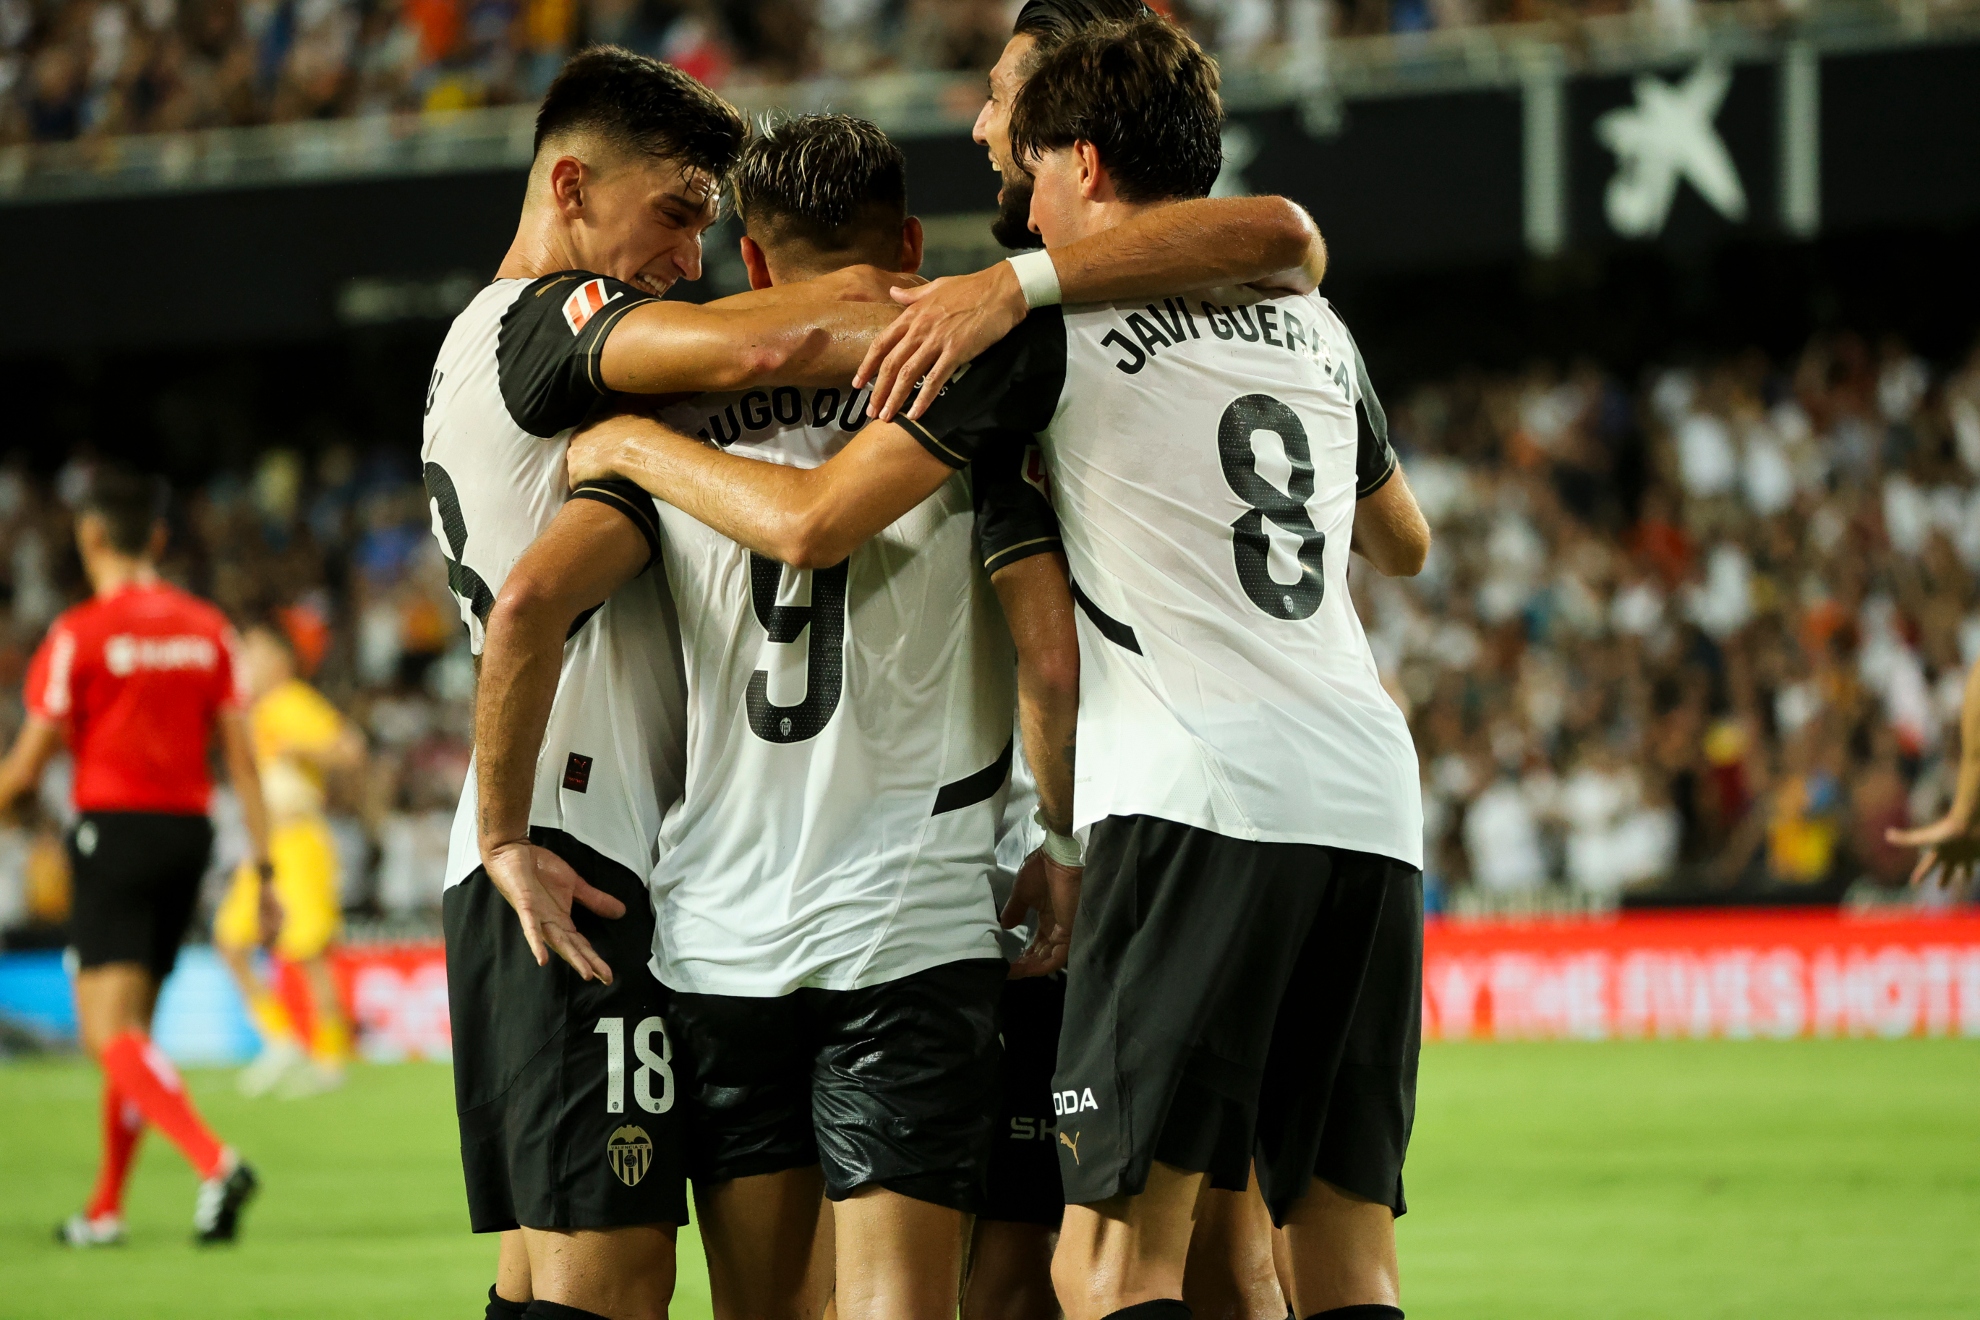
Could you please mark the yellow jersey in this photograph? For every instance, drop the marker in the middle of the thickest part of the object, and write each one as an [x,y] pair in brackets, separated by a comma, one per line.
[288,724]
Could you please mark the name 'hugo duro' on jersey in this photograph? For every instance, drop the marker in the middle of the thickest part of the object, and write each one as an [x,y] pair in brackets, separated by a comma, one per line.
[850,737]
[1206,456]
[519,370]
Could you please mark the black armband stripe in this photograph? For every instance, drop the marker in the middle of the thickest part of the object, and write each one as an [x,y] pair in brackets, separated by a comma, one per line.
[931,442]
[1376,483]
[1011,554]
[635,503]
[595,355]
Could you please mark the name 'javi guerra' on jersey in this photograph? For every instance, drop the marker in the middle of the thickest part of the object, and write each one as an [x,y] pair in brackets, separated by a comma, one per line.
[850,737]
[519,370]
[1206,455]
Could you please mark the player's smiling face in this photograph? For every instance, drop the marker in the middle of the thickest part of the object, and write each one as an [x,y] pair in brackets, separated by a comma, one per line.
[993,131]
[642,223]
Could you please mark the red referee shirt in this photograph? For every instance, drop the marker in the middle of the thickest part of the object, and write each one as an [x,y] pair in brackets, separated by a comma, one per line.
[137,678]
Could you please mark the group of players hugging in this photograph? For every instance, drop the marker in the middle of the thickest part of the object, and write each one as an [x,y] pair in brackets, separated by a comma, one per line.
[777,870]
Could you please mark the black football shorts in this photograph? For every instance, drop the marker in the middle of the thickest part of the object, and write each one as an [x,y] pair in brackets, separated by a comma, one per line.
[137,876]
[566,1089]
[892,1085]
[1230,1001]
[1024,1172]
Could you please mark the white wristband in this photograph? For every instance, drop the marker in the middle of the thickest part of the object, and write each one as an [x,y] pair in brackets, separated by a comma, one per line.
[1061,848]
[1038,277]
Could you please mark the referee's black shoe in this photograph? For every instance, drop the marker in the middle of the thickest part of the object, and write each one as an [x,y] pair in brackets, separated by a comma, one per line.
[217,1212]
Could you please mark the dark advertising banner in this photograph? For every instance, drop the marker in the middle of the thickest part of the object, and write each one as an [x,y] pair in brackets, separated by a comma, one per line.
[1406,181]
[1901,137]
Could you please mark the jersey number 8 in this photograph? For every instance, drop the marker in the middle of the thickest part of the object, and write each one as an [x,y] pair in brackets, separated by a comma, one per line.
[1286,509]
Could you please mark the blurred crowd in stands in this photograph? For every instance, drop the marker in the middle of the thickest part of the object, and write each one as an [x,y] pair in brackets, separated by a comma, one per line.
[339,553]
[1701,634]
[1706,636]
[84,68]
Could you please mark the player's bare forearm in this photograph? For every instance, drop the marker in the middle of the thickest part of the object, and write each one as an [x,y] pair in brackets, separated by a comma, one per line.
[588,551]
[1202,243]
[804,517]
[237,750]
[1036,594]
[671,348]
[1390,530]
[34,747]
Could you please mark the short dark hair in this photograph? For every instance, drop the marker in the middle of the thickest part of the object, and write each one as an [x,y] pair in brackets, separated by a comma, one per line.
[129,504]
[1052,23]
[642,106]
[1143,94]
[831,181]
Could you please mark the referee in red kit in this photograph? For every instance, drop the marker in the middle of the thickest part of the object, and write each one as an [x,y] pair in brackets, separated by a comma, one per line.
[138,679]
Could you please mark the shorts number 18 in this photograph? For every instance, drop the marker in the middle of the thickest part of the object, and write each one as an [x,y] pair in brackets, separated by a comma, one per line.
[652,1064]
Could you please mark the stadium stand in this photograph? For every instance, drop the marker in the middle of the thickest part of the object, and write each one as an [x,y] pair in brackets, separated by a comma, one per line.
[74,69]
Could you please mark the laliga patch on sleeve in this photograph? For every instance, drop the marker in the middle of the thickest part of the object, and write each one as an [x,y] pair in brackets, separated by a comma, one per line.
[577,773]
[1034,471]
[581,306]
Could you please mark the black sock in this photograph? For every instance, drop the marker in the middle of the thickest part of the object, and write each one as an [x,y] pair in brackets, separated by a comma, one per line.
[1366,1311]
[501,1308]
[558,1311]
[1165,1309]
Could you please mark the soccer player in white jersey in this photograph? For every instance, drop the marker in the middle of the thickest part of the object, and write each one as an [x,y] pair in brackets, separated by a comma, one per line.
[822,899]
[563,1081]
[1251,788]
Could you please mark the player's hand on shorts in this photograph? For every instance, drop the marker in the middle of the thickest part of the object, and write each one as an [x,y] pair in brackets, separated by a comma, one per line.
[1951,849]
[1052,891]
[947,322]
[541,887]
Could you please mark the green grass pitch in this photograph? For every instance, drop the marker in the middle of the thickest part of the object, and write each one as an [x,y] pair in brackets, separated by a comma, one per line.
[1655,1179]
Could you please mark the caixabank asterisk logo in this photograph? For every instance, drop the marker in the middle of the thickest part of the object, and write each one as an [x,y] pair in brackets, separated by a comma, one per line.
[1666,138]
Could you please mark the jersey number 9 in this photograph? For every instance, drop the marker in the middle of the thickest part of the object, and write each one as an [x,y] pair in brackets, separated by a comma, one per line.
[824,665]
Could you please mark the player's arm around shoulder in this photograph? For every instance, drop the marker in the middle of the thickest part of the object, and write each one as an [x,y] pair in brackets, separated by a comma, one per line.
[601,539]
[1202,243]
[570,339]
[806,334]
[804,517]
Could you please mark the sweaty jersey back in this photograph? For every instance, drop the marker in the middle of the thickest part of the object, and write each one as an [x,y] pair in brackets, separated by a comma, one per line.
[1206,461]
[850,729]
[517,371]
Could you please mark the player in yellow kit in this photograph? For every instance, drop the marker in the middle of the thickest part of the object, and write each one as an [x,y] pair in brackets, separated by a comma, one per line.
[299,739]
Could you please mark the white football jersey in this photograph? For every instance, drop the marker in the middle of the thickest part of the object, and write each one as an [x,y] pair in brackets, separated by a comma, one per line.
[1205,462]
[849,737]
[517,371]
